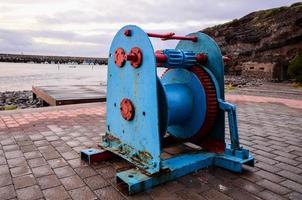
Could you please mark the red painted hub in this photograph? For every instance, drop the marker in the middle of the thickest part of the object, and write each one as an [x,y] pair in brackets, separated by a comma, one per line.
[135,57]
[201,58]
[127,109]
[119,57]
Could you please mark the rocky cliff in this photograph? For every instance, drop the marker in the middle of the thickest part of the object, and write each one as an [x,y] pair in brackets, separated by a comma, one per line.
[261,43]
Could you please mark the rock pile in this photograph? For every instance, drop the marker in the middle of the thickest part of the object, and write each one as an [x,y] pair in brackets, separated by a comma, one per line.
[241,81]
[20,99]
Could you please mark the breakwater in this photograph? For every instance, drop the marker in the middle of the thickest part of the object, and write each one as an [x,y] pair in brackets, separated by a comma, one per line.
[20,58]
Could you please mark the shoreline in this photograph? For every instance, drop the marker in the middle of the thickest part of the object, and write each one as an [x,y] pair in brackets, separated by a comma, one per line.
[17,100]
[12,100]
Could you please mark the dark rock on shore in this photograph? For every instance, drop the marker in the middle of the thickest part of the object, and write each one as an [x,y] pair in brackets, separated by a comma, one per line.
[18,100]
[241,81]
[262,43]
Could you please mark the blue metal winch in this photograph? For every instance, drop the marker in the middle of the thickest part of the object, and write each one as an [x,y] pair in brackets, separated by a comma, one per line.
[171,125]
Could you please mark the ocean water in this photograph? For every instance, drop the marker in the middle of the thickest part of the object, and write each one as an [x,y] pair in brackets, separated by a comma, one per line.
[22,76]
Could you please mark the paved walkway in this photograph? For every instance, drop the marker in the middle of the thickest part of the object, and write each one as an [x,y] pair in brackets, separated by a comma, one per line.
[39,156]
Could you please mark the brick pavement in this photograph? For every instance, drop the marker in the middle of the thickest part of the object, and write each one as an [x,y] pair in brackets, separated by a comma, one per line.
[39,157]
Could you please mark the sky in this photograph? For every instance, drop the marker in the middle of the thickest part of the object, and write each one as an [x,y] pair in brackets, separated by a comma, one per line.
[87,27]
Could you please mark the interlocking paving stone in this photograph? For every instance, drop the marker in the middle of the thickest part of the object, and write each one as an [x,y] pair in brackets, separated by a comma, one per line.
[290,168]
[20,171]
[83,193]
[271,132]
[28,148]
[108,193]
[292,185]
[107,171]
[36,162]
[62,172]
[248,186]
[294,196]
[291,175]
[7,192]
[56,193]
[270,176]
[7,141]
[24,181]
[70,155]
[268,195]
[2,160]
[42,171]
[214,194]
[15,162]
[48,181]
[75,163]
[55,163]
[32,154]
[72,182]
[12,147]
[32,192]
[85,171]
[4,170]
[273,187]
[51,155]
[5,180]
[96,182]
[13,154]
[41,143]
[47,148]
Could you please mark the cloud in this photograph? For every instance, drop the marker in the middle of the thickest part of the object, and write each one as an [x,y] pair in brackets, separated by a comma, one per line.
[86,27]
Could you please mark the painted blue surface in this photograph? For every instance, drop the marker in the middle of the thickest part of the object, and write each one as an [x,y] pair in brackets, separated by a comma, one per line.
[180,100]
[178,166]
[179,59]
[140,86]
[188,127]
[232,117]
[214,64]
[176,104]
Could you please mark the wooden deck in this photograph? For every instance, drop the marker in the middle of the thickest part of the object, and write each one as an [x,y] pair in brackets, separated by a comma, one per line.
[71,94]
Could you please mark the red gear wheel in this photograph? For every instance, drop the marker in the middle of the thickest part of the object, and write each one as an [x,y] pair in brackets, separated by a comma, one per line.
[211,99]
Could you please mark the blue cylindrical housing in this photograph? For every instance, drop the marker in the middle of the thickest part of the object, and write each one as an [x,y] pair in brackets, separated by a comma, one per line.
[178,58]
[180,103]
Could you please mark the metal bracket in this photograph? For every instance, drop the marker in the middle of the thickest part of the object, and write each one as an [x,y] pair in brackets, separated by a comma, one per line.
[136,181]
[232,117]
[95,155]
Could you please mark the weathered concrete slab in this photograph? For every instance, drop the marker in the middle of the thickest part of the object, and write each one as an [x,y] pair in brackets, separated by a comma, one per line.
[71,94]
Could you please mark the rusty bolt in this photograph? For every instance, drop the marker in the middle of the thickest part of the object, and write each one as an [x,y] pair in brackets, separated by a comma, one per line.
[127,32]
[127,109]
[135,57]
[119,57]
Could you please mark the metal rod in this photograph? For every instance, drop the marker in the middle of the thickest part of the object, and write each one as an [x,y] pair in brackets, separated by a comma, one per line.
[172,36]
[166,35]
[160,58]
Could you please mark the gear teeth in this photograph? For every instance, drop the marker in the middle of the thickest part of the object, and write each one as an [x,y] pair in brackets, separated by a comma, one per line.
[212,103]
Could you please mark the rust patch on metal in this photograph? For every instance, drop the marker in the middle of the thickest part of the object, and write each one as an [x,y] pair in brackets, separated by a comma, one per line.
[119,57]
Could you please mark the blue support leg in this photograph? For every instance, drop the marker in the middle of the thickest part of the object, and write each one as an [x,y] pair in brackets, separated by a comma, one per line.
[232,117]
[234,156]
